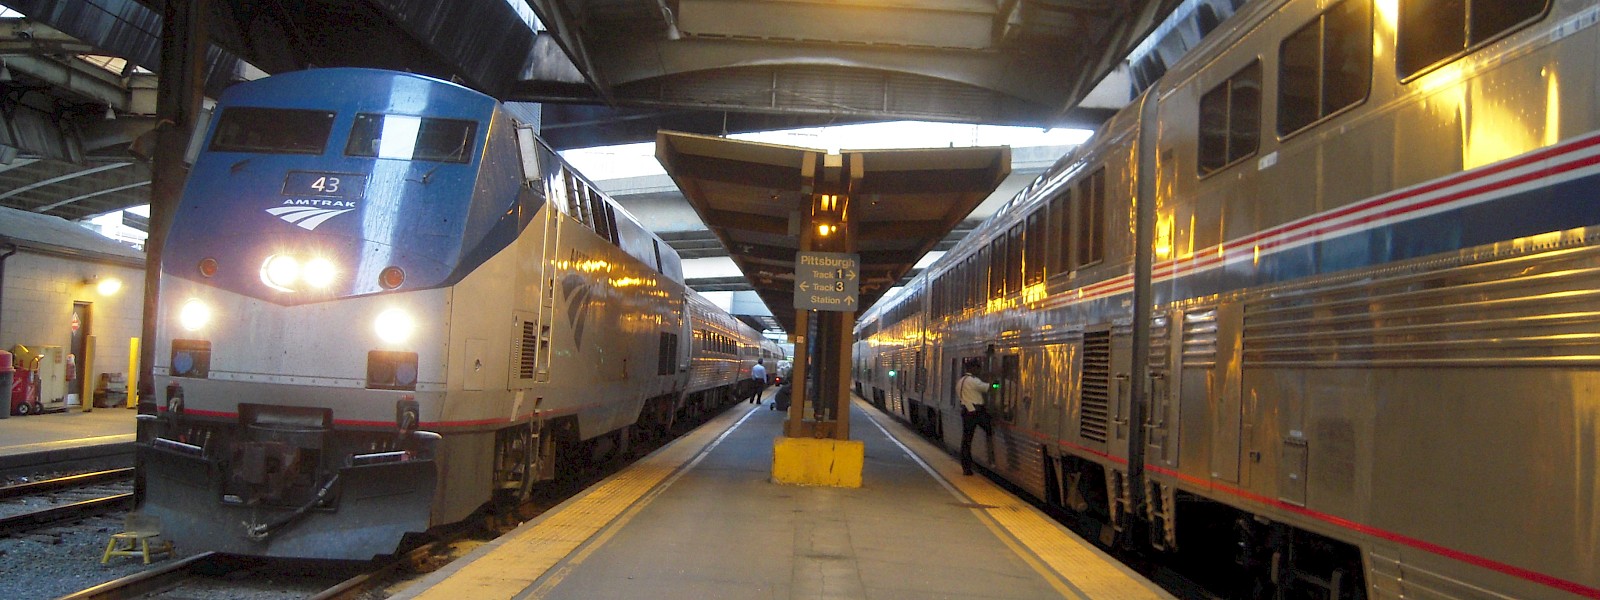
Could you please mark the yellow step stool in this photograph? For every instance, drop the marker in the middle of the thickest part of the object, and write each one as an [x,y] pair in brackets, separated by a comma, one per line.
[141,536]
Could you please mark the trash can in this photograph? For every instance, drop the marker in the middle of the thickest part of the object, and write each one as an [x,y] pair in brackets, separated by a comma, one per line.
[7,374]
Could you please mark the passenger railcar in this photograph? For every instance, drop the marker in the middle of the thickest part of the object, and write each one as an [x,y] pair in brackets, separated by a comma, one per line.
[1316,312]
[387,303]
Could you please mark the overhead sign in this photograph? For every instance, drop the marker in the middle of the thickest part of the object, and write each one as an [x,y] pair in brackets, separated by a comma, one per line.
[827,281]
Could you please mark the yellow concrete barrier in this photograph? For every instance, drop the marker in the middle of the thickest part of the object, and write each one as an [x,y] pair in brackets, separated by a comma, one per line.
[808,461]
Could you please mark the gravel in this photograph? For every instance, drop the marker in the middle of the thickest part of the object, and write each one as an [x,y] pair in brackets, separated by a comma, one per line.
[60,560]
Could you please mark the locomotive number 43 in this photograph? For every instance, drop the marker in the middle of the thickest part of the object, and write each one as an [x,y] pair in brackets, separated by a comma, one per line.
[326,185]
[307,183]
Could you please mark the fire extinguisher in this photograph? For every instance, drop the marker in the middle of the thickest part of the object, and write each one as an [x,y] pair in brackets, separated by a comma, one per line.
[72,367]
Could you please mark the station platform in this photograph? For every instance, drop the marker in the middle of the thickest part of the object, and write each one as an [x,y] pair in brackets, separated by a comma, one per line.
[73,435]
[701,519]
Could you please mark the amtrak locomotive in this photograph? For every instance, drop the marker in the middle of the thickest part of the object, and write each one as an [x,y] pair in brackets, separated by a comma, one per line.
[386,303]
[1316,314]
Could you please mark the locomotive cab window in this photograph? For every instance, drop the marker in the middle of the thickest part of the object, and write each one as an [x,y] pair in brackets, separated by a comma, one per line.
[1230,117]
[1326,66]
[272,130]
[1432,32]
[411,138]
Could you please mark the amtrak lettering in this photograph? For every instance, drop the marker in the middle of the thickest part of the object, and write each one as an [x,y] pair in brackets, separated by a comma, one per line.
[308,213]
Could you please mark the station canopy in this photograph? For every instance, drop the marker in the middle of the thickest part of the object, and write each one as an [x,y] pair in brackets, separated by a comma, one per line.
[753,197]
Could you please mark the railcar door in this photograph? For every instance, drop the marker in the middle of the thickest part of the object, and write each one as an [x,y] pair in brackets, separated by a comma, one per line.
[1005,401]
[1121,366]
[1226,388]
[1166,372]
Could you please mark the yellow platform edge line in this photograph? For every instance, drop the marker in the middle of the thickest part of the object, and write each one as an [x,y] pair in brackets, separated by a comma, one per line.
[1070,564]
[516,561]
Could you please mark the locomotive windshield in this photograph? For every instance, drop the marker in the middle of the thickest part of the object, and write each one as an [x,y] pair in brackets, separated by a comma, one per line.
[411,138]
[272,130]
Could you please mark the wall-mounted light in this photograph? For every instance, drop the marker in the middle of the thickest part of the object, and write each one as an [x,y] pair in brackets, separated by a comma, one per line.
[106,286]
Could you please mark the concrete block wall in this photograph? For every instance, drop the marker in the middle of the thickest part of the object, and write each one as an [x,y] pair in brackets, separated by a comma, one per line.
[36,309]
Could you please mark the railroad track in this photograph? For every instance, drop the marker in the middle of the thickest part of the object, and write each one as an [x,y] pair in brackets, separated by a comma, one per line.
[155,579]
[101,502]
[195,572]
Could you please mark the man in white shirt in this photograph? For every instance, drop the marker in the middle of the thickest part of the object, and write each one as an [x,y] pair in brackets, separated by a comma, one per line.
[758,374]
[971,390]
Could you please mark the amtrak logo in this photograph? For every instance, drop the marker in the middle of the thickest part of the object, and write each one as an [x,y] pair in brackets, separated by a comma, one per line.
[578,292]
[308,214]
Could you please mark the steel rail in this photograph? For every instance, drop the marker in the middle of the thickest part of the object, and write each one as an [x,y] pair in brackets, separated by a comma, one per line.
[39,518]
[49,485]
[148,581]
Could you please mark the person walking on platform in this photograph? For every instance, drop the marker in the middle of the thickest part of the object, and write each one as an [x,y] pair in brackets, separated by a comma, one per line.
[970,389]
[758,375]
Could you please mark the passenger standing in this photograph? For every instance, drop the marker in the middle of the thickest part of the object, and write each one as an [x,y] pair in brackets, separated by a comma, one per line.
[974,413]
[758,375]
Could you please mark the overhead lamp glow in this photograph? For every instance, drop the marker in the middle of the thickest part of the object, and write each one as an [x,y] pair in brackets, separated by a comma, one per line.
[108,286]
[194,314]
[394,326]
[280,271]
[319,273]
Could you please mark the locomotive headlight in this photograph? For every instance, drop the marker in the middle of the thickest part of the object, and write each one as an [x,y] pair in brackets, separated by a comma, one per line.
[319,272]
[194,314]
[394,326]
[280,271]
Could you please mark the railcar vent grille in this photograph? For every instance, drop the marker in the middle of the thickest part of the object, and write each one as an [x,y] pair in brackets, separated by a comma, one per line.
[528,350]
[1092,419]
[1160,346]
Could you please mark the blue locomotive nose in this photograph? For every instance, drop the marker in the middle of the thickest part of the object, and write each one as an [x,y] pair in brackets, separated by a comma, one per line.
[298,200]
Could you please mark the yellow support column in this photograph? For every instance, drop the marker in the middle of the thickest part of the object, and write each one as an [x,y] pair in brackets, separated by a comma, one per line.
[819,451]
[133,372]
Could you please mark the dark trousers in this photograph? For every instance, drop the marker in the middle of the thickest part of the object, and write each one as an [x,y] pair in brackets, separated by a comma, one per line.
[971,420]
[756,387]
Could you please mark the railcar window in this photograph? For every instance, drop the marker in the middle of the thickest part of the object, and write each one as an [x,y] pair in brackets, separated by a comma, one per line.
[1090,231]
[1230,120]
[412,138]
[1431,32]
[1014,259]
[1034,258]
[977,283]
[997,267]
[1325,66]
[272,130]
[1061,230]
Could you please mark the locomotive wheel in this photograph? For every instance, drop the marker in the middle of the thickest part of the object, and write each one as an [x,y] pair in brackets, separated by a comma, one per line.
[518,453]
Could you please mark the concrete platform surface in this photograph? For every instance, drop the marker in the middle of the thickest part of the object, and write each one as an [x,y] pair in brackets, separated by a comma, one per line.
[52,437]
[701,519]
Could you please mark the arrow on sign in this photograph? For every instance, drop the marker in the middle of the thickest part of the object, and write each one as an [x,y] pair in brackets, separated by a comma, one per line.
[849,300]
[805,287]
[848,274]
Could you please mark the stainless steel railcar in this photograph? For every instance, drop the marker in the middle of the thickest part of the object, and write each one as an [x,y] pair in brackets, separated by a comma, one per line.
[387,303]
[1316,313]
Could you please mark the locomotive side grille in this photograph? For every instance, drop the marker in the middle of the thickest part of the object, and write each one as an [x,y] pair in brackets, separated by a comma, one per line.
[1092,419]
[526,350]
